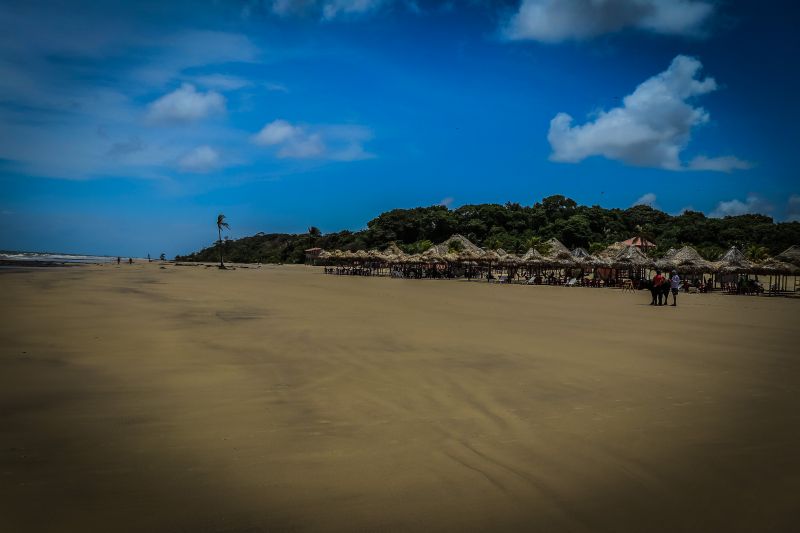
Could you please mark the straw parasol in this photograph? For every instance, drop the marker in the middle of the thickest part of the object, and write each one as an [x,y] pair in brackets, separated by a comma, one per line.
[490,257]
[324,255]
[393,249]
[734,262]
[776,267]
[687,259]
[557,249]
[580,253]
[510,260]
[790,255]
[470,255]
[432,255]
[631,257]
[533,257]
[463,243]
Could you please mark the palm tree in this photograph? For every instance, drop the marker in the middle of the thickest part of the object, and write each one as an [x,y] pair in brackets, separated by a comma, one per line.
[221,224]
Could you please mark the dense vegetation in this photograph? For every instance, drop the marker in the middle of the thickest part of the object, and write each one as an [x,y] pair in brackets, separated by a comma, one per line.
[515,227]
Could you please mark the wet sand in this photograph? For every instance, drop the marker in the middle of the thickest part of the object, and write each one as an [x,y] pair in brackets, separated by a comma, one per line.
[134,398]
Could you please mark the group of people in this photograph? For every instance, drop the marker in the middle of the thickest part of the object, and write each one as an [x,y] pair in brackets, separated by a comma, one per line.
[662,285]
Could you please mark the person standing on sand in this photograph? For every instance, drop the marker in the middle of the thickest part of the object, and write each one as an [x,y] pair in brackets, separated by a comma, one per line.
[675,284]
[118,260]
[130,260]
[658,280]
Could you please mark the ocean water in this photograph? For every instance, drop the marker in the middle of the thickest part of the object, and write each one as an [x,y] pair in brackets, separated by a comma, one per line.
[44,257]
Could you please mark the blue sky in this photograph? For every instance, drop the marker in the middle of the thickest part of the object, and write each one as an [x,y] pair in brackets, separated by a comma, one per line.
[125,127]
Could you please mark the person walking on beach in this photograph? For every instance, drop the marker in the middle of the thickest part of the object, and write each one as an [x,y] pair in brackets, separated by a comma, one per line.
[658,280]
[675,284]
[118,260]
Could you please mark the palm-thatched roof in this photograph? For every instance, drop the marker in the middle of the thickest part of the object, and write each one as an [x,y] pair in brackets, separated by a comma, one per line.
[324,255]
[687,259]
[510,259]
[533,257]
[557,249]
[612,250]
[490,257]
[790,255]
[464,243]
[580,253]
[734,262]
[393,249]
[775,266]
[631,257]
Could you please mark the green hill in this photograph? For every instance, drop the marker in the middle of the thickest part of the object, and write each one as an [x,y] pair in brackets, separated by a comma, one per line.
[515,227]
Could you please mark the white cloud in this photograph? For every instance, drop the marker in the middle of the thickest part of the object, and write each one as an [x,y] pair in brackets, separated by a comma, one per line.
[339,143]
[336,8]
[186,104]
[221,82]
[793,208]
[650,129]
[325,9]
[646,199]
[447,201]
[276,87]
[726,163]
[752,204]
[201,159]
[559,20]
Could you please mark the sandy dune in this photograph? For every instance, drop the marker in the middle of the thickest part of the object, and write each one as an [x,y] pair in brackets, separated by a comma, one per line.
[134,398]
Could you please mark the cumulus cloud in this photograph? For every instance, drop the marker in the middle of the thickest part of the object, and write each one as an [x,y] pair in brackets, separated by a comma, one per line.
[340,143]
[793,208]
[201,159]
[731,208]
[447,201]
[650,129]
[646,199]
[186,104]
[560,20]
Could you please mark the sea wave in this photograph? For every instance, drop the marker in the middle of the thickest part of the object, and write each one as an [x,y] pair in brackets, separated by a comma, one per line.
[46,257]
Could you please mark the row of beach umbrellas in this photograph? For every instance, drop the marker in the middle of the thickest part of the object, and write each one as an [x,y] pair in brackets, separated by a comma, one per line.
[684,260]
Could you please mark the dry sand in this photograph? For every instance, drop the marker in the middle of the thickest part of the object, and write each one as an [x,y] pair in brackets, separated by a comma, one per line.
[134,398]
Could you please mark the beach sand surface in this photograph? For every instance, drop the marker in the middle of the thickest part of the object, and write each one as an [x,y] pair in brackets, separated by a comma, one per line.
[186,398]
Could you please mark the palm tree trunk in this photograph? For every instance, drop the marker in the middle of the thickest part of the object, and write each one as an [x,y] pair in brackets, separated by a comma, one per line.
[219,232]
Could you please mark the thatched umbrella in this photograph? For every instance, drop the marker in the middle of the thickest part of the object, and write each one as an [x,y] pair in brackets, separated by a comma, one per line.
[631,257]
[687,259]
[533,257]
[432,255]
[325,255]
[776,267]
[790,255]
[734,262]
[490,257]
[463,244]
[393,249]
[580,253]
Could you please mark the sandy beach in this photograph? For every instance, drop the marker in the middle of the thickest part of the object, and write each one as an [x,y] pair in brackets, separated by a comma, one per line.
[140,398]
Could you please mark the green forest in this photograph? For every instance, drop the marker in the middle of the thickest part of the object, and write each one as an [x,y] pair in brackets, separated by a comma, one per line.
[516,228]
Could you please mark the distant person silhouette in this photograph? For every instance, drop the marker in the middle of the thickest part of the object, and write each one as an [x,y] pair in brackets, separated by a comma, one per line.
[118,260]
[130,260]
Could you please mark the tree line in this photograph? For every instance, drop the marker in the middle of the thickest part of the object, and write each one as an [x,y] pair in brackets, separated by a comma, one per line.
[516,228]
